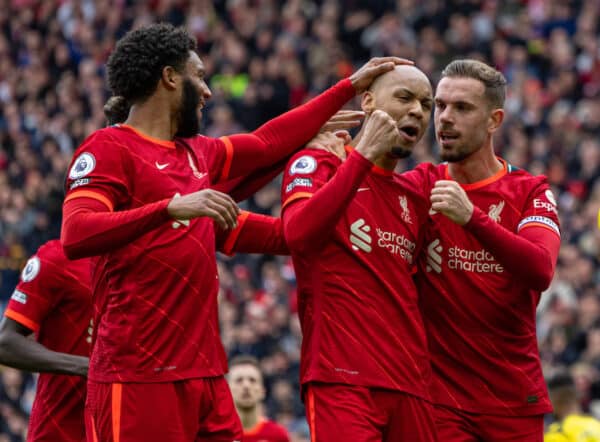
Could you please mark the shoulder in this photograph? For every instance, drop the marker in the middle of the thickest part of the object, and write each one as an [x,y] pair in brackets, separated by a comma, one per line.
[306,161]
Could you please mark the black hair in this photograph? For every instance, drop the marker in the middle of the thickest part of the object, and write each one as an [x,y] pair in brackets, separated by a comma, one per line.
[136,64]
[116,110]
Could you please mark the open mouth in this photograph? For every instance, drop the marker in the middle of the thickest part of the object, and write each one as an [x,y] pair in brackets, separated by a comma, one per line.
[410,130]
[448,136]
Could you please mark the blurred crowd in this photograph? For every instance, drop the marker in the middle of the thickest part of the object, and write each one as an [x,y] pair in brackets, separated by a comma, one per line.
[266,56]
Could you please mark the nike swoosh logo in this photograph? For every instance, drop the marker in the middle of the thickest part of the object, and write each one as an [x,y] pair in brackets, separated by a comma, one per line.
[160,166]
[362,189]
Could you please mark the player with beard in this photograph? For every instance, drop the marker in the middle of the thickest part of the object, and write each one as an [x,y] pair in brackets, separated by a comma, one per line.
[491,247]
[138,194]
[354,231]
[248,390]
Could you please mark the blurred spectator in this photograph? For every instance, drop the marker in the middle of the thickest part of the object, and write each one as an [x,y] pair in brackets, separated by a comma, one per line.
[265,56]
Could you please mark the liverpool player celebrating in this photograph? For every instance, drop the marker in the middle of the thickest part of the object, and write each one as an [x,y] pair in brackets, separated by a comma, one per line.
[54,301]
[138,194]
[492,244]
[354,232]
[248,391]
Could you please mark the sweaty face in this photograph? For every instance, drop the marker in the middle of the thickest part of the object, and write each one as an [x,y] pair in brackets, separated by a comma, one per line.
[461,117]
[405,94]
[194,93]
[246,385]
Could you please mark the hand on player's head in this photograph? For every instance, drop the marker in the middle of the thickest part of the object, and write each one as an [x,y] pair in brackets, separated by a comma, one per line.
[376,66]
[333,142]
[379,136]
[211,203]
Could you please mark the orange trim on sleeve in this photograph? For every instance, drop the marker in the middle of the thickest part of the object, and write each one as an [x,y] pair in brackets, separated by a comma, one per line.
[117,392]
[164,143]
[22,319]
[295,197]
[228,158]
[235,233]
[90,194]
[255,429]
[539,225]
[311,414]
[485,182]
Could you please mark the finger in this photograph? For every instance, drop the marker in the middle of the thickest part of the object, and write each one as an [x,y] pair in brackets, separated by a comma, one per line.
[394,60]
[348,114]
[332,126]
[226,211]
[380,69]
[217,218]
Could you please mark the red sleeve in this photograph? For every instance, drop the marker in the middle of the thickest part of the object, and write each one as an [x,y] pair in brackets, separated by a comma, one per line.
[254,234]
[280,137]
[531,253]
[309,223]
[36,293]
[89,229]
[99,171]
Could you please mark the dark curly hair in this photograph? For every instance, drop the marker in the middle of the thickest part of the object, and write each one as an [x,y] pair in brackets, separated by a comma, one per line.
[116,110]
[136,64]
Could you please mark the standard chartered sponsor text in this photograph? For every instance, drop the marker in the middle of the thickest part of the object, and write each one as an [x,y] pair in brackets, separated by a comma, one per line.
[396,244]
[478,261]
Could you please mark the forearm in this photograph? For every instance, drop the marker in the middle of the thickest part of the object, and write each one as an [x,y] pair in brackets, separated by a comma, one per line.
[308,223]
[89,229]
[257,234]
[23,353]
[529,257]
[282,136]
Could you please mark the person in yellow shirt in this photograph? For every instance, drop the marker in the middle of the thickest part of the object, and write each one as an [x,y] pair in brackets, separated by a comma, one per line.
[571,424]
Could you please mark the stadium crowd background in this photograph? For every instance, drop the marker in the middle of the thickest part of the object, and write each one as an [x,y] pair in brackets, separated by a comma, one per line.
[264,57]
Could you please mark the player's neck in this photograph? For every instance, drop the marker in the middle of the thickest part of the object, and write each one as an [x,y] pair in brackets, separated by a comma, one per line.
[151,119]
[479,166]
[249,418]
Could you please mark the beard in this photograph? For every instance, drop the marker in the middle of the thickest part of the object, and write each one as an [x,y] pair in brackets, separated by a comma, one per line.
[189,123]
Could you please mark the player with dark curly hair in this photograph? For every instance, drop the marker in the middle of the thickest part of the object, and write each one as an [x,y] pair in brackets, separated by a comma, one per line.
[139,194]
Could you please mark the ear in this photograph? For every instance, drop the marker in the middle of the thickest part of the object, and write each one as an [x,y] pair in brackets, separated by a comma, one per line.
[495,120]
[367,103]
[170,77]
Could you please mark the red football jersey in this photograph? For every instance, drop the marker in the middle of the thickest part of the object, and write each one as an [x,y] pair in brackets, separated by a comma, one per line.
[157,306]
[266,431]
[358,303]
[480,320]
[53,299]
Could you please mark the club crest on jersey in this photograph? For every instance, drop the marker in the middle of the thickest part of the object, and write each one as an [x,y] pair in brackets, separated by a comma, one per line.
[82,166]
[303,165]
[405,212]
[31,269]
[495,210]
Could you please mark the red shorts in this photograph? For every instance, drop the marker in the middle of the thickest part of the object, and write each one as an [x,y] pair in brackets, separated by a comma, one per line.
[458,426]
[338,412]
[192,410]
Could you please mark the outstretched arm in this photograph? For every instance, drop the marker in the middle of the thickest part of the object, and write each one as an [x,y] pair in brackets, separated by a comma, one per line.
[281,137]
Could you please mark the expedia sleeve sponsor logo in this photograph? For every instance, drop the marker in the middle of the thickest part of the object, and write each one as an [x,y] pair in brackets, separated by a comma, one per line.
[19,296]
[298,182]
[536,219]
[80,182]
